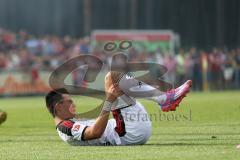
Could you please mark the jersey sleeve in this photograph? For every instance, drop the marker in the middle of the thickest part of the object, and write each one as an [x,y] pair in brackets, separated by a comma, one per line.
[71,130]
[78,130]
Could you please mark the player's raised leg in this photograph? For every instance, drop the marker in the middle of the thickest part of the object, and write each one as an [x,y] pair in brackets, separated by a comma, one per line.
[167,100]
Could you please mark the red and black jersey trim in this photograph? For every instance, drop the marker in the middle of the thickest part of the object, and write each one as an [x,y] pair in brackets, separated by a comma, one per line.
[120,127]
[65,127]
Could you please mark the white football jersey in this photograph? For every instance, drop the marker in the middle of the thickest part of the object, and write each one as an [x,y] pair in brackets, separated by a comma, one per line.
[129,126]
[72,130]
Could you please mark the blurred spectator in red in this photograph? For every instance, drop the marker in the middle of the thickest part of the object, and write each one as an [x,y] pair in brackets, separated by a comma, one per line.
[3,61]
[216,60]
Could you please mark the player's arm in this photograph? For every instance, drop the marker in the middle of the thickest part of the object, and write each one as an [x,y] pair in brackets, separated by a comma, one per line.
[112,92]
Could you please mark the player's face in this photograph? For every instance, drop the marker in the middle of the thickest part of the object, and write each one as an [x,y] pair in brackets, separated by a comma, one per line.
[66,107]
[69,104]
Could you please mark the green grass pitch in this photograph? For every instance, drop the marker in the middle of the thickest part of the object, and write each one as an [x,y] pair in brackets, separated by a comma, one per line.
[206,126]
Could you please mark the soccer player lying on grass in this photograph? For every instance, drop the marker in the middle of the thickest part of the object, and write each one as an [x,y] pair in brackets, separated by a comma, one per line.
[118,131]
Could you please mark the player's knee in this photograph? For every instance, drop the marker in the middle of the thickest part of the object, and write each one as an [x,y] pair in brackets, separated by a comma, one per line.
[108,76]
[112,77]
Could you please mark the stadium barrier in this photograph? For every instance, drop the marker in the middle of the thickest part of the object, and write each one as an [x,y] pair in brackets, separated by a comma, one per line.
[15,83]
[22,83]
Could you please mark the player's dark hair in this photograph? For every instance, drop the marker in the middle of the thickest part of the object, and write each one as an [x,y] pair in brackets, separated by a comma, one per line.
[53,97]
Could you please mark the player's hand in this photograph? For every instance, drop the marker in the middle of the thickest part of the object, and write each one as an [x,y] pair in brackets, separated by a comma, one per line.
[113,92]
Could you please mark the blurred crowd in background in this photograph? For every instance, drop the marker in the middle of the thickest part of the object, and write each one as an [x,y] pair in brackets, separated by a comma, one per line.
[219,67]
